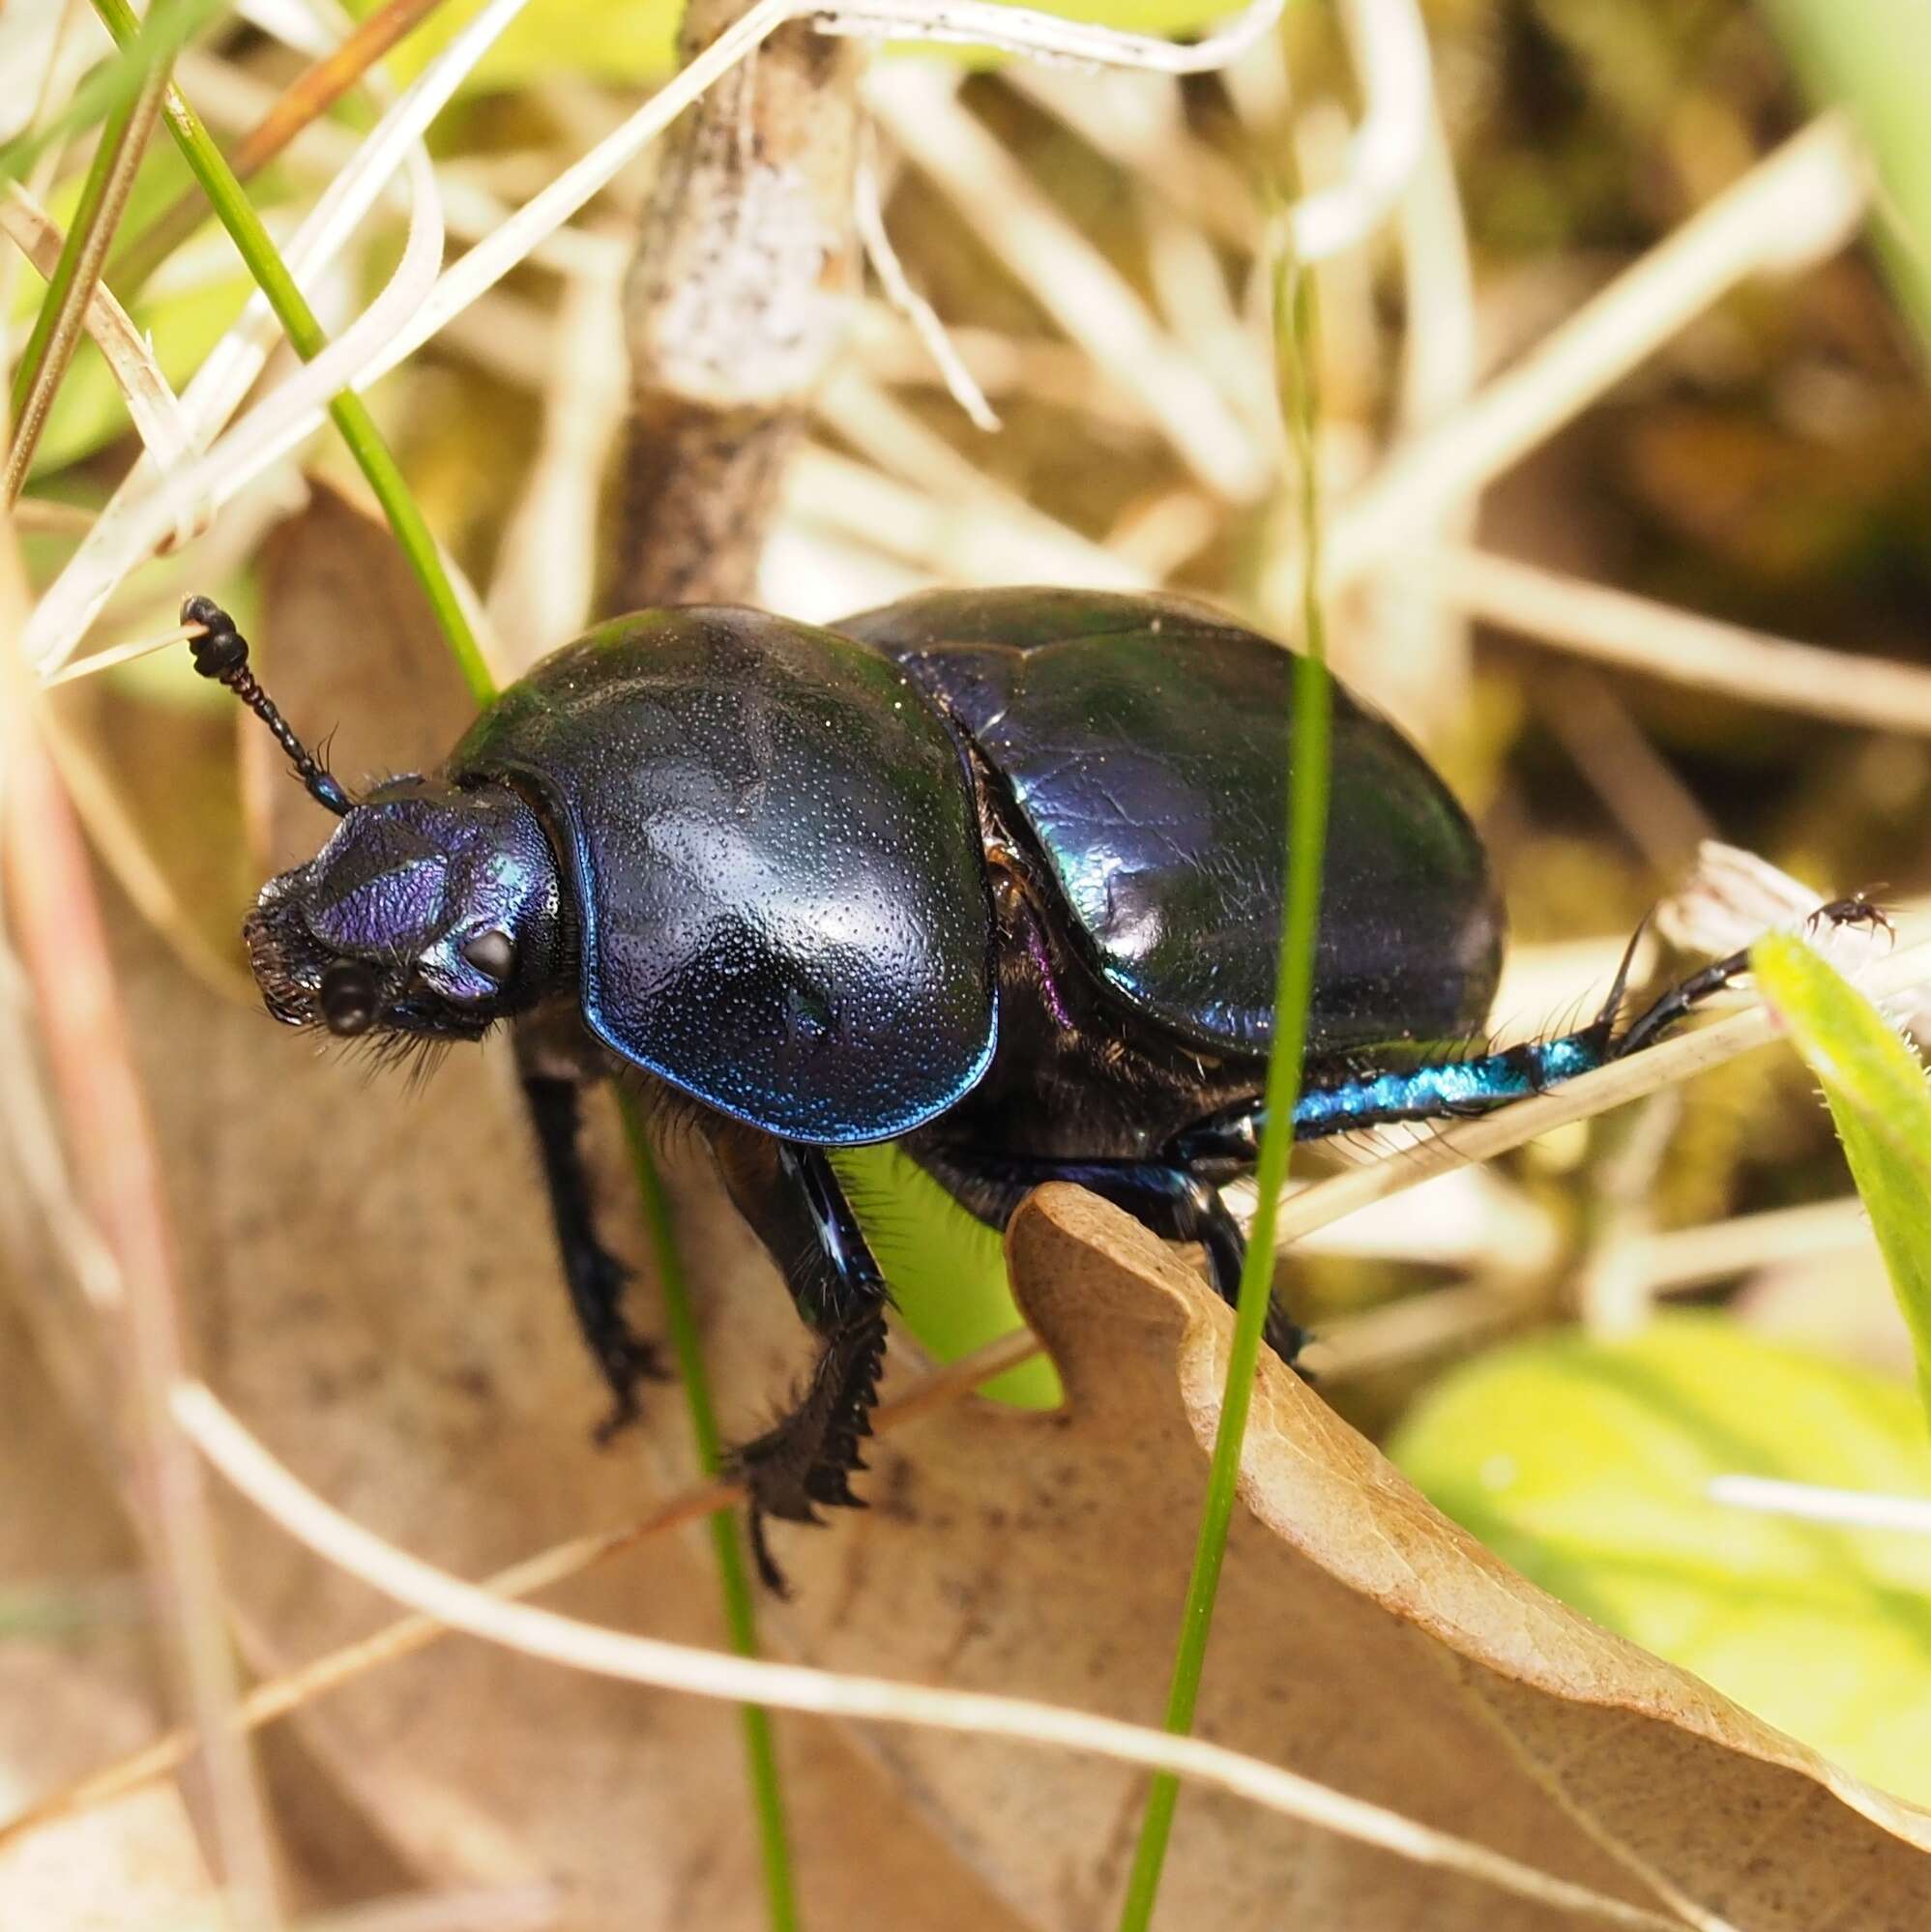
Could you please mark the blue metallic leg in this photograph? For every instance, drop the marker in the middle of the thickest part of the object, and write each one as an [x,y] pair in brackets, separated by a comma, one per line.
[1452,1090]
[793,1200]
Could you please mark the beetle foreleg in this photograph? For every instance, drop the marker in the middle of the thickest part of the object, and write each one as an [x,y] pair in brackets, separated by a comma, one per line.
[793,1200]
[595,1277]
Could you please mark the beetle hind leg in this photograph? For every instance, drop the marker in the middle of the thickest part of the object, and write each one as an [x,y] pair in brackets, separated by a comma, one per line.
[1166,1196]
[806,1461]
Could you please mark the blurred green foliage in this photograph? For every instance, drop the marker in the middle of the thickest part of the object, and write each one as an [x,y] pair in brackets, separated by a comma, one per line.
[1586,1465]
[1871,57]
[591,40]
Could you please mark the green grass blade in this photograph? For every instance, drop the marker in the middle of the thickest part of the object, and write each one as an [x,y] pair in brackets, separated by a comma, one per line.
[1874,1085]
[307,335]
[733,1575]
[1306,806]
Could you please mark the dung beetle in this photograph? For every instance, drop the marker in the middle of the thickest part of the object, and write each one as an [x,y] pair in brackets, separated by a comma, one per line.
[995,873]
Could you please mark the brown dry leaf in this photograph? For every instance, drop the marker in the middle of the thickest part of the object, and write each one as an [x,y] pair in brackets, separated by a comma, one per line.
[1362,1639]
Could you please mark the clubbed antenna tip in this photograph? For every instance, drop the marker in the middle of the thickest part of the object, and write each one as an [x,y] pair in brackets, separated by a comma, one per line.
[222,653]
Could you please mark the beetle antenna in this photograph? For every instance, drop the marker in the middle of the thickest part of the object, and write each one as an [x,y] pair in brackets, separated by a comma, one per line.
[222,653]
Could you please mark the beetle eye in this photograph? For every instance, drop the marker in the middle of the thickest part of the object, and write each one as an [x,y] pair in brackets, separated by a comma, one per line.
[348,998]
[492,953]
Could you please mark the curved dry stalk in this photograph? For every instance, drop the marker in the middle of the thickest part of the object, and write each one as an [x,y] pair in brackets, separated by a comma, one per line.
[189,495]
[1842,1509]
[869,216]
[697,1672]
[76,275]
[1611,1086]
[973,544]
[1397,81]
[105,559]
[1302,1214]
[546,567]
[311,93]
[151,403]
[1420,664]
[1063,270]
[1044,37]
[55,918]
[282,1695]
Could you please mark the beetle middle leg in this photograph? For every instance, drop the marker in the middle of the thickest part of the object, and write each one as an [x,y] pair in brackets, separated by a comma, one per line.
[795,1205]
[1167,1197]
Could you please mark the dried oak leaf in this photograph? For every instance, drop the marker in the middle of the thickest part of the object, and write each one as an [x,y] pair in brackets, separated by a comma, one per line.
[1362,1639]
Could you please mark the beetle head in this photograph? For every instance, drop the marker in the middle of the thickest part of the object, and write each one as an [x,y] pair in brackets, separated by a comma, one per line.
[431,912]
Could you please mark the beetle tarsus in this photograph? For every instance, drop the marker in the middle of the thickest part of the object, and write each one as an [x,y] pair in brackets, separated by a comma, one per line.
[806,1461]
[625,1358]
[1687,995]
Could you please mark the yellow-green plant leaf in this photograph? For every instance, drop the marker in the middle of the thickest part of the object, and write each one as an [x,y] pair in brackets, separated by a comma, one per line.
[1586,1465]
[1874,1084]
[636,43]
[1869,57]
[550,39]
[947,1271]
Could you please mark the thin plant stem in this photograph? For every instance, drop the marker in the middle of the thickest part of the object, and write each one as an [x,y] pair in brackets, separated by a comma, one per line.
[733,1575]
[309,339]
[1306,808]
[311,93]
[57,327]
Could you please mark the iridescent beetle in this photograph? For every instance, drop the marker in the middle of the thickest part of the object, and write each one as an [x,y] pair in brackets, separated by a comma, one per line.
[995,873]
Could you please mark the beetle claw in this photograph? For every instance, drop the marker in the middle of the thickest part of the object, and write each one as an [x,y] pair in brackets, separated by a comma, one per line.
[808,1459]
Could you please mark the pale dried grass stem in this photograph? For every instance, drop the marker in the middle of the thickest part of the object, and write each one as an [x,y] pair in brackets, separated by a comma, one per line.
[1136,121]
[1794,207]
[1421,658]
[111,550]
[1065,274]
[869,215]
[1389,45]
[56,924]
[151,401]
[1812,1503]
[1636,633]
[684,1668]
[546,566]
[962,545]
